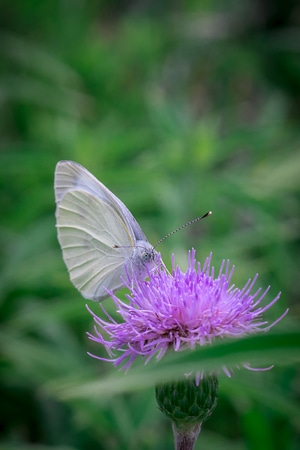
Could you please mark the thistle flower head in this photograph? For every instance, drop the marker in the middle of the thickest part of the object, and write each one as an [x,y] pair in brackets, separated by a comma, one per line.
[180,310]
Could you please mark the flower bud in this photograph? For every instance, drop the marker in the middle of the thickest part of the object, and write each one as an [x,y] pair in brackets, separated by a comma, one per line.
[186,402]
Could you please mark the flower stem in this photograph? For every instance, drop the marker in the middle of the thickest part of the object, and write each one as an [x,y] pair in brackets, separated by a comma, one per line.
[185,437]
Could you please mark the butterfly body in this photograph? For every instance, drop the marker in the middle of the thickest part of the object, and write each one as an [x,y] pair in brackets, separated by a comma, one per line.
[101,241]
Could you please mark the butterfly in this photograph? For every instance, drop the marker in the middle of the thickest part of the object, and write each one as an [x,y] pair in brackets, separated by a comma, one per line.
[101,242]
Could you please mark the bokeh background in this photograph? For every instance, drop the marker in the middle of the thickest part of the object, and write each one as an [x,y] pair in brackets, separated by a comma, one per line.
[179,108]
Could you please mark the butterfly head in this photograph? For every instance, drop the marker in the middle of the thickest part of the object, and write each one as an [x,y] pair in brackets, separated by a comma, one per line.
[144,258]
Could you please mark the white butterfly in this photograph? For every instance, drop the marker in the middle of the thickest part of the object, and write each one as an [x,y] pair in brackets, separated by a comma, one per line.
[100,239]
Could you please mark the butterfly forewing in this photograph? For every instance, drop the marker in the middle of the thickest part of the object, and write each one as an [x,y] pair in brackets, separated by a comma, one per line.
[72,176]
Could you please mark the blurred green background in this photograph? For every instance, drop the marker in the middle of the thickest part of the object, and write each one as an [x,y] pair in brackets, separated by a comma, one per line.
[179,108]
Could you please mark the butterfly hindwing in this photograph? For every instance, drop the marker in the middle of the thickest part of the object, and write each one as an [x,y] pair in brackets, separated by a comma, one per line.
[95,243]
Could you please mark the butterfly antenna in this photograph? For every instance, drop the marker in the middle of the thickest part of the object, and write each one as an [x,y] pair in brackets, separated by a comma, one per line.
[181,228]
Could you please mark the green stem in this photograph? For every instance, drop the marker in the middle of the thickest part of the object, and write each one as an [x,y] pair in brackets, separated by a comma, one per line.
[185,436]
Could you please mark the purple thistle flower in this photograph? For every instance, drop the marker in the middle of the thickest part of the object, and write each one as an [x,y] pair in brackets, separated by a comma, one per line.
[179,311]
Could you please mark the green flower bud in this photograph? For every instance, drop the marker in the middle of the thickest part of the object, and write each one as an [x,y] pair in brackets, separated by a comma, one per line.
[185,402]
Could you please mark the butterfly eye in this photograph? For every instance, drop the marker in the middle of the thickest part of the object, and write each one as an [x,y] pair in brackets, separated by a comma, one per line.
[147,256]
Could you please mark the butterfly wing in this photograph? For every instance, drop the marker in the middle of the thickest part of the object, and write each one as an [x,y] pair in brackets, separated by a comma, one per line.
[100,239]
[70,175]
[89,232]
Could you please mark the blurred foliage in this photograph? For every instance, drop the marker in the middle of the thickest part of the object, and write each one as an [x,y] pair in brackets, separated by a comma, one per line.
[179,109]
